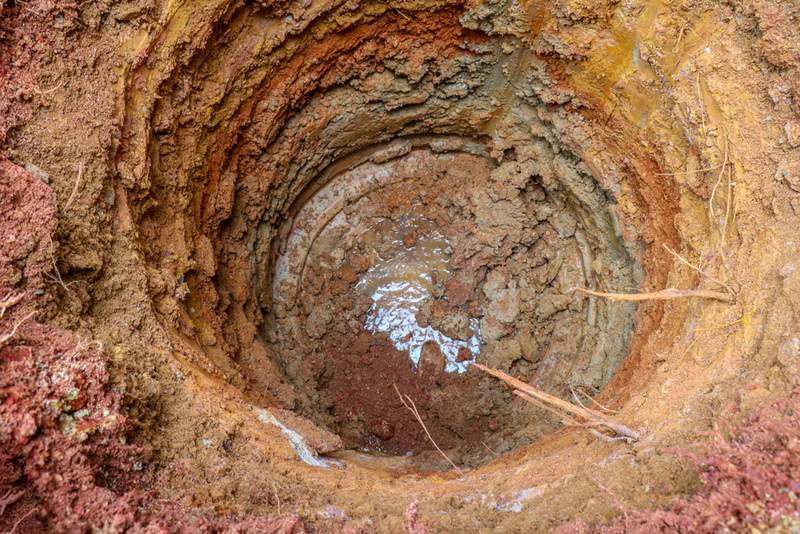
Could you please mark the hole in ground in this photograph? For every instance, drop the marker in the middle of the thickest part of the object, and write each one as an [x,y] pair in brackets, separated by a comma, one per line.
[309,195]
[267,222]
[397,274]
[225,120]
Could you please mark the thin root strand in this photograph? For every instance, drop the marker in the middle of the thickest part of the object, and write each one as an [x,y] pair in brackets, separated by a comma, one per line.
[7,337]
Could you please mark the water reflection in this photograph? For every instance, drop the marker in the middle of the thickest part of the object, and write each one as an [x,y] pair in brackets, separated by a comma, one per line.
[401,283]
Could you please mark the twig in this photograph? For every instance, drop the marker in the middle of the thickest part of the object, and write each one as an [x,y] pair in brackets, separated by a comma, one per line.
[9,498]
[739,320]
[719,179]
[699,36]
[277,497]
[20,520]
[7,337]
[667,294]
[403,14]
[575,396]
[413,410]
[566,419]
[74,189]
[609,410]
[688,172]
[488,449]
[727,204]
[680,36]
[617,504]
[699,270]
[47,92]
[722,238]
[695,340]
[10,300]
[83,345]
[592,417]
[58,278]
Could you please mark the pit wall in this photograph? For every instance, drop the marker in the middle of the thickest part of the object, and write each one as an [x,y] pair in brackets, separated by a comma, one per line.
[665,103]
[386,77]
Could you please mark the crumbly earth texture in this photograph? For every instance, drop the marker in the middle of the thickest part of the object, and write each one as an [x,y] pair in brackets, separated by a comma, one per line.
[155,158]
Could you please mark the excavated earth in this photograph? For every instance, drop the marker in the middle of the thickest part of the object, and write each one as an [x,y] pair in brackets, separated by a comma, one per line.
[248,250]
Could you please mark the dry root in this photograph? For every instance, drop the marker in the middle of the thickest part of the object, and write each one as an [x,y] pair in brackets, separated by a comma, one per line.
[5,338]
[667,294]
[74,189]
[8,301]
[699,270]
[569,414]
[413,409]
[8,499]
[12,299]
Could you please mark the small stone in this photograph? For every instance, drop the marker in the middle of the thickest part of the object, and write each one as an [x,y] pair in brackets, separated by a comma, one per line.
[494,426]
[37,173]
[317,322]
[384,430]
[431,359]
[409,241]
[464,355]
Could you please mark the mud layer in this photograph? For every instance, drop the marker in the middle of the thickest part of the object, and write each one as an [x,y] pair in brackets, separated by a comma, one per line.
[245,229]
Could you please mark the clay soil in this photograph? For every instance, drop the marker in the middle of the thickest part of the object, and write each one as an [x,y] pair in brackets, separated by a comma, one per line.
[153,156]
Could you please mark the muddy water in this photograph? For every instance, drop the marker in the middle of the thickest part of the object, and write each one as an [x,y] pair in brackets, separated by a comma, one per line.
[415,262]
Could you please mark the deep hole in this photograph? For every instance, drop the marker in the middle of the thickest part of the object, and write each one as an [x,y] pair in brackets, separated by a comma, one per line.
[269,220]
[396,273]
[394,169]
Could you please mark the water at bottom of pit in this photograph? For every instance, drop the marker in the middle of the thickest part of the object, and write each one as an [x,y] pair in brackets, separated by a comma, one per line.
[400,283]
[380,324]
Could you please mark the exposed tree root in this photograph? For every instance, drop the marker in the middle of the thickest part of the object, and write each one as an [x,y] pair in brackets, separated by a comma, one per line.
[12,299]
[590,419]
[667,294]
[5,338]
[415,412]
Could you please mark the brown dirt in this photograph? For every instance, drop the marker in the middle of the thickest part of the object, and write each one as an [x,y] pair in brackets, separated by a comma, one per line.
[155,156]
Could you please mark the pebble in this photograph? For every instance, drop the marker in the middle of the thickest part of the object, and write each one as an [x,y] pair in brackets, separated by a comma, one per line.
[464,355]
[384,430]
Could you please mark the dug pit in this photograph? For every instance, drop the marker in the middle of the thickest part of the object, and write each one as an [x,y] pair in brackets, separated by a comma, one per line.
[295,225]
[394,275]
